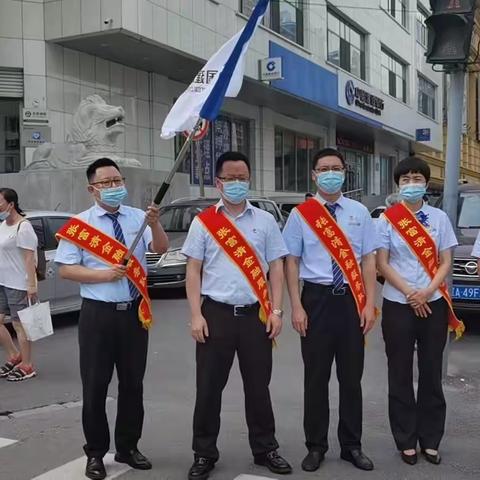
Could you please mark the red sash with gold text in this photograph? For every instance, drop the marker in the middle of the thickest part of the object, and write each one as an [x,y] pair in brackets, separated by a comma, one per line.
[111,251]
[324,226]
[424,248]
[240,252]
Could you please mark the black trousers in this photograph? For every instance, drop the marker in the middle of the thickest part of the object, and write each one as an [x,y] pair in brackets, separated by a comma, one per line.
[109,338]
[421,420]
[333,332]
[246,336]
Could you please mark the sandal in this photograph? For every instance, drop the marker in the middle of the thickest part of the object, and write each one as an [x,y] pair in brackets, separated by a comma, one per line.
[19,374]
[7,368]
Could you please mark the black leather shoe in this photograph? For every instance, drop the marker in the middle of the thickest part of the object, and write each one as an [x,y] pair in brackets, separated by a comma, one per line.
[358,459]
[435,459]
[409,459]
[274,462]
[95,469]
[312,461]
[134,459]
[201,468]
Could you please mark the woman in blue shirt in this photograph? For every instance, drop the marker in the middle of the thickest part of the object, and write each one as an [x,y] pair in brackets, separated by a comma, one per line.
[414,312]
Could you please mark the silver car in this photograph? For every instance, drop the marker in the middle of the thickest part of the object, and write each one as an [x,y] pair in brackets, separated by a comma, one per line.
[63,295]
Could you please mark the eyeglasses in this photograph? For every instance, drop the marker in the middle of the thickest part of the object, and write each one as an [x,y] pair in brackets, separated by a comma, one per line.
[329,169]
[108,183]
[233,179]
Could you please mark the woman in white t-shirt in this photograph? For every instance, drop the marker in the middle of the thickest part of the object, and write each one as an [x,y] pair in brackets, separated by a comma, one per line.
[18,283]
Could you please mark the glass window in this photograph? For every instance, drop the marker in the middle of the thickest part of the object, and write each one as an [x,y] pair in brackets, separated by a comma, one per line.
[224,134]
[345,45]
[394,74]
[397,9]
[9,136]
[293,158]
[54,225]
[421,28]
[426,97]
[387,164]
[283,16]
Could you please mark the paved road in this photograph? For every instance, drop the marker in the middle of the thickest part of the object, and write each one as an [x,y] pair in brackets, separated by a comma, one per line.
[42,416]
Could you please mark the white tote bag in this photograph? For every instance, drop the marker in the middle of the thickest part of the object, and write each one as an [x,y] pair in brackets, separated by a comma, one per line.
[36,321]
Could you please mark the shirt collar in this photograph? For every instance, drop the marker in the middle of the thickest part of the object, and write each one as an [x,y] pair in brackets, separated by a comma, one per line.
[340,201]
[248,207]
[100,212]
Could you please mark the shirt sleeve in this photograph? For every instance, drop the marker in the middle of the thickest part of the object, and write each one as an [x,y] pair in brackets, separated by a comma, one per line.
[68,253]
[447,235]
[275,246]
[476,247]
[292,234]
[370,241]
[26,237]
[147,238]
[195,242]
[383,232]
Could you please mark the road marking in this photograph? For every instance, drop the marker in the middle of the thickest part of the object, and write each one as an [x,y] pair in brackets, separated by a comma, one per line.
[5,442]
[253,477]
[75,470]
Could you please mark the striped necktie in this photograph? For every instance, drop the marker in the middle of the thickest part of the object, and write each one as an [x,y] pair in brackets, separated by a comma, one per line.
[117,228]
[422,218]
[338,282]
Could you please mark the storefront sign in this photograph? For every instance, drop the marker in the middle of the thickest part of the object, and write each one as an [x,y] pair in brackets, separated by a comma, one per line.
[35,116]
[270,69]
[422,135]
[351,144]
[33,136]
[361,98]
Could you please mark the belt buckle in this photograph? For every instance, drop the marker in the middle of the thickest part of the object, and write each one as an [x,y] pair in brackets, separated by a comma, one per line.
[341,291]
[124,306]
[235,314]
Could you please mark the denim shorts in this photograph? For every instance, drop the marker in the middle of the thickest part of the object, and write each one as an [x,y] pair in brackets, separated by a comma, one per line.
[11,301]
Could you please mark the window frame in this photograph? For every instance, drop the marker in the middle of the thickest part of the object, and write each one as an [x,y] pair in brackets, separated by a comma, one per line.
[346,26]
[395,61]
[390,8]
[421,93]
[421,32]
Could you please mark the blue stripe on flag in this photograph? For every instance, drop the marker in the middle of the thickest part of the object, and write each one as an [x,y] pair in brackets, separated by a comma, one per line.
[214,102]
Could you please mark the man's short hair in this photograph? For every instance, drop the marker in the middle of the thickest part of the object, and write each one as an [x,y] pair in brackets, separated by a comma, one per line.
[309,195]
[101,162]
[411,164]
[230,157]
[327,152]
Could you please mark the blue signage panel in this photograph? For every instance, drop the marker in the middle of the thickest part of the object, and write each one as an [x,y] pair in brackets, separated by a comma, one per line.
[423,134]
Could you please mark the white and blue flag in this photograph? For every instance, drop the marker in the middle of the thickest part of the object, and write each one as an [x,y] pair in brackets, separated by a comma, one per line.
[222,76]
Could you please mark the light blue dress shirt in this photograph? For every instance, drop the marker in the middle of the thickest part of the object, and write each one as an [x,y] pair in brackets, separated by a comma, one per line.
[476,247]
[404,261]
[315,261]
[221,278]
[130,220]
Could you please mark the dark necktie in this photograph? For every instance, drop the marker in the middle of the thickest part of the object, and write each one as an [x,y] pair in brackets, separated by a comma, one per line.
[117,228]
[338,281]
[422,218]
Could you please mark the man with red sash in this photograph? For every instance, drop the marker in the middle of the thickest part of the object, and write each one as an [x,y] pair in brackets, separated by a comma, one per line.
[331,242]
[414,257]
[230,248]
[115,313]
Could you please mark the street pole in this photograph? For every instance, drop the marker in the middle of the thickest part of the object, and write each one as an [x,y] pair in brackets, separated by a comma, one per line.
[201,181]
[456,93]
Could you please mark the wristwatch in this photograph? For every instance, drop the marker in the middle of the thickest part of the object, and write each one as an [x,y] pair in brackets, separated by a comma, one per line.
[277,312]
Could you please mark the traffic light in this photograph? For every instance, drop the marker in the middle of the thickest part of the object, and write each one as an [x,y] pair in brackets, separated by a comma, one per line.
[450,30]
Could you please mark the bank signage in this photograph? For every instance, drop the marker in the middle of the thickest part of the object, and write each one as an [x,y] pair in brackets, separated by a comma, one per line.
[33,136]
[359,97]
[271,69]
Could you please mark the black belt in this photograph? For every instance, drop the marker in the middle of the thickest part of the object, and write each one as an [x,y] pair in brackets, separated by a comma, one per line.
[343,290]
[235,310]
[119,307]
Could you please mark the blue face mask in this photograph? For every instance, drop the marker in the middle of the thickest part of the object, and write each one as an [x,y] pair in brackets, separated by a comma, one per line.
[113,197]
[236,192]
[413,192]
[330,182]
[4,215]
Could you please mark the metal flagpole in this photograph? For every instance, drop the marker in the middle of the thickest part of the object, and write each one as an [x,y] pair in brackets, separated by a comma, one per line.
[201,181]
[164,188]
[452,162]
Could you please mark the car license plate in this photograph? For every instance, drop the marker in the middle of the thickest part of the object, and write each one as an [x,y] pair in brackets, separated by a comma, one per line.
[463,292]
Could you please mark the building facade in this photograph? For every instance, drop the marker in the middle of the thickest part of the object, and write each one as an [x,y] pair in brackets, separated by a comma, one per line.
[352,77]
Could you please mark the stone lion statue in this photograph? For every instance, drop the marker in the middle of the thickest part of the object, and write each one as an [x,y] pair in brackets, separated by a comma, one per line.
[94,132]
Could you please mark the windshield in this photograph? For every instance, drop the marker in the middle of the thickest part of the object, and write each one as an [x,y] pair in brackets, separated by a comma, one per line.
[178,218]
[469,210]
